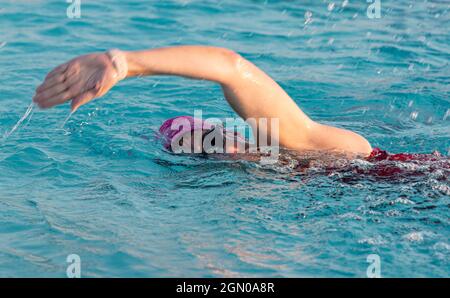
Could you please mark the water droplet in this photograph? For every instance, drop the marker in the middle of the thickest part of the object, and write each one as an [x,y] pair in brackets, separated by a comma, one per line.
[446,114]
[67,119]
[331,6]
[308,17]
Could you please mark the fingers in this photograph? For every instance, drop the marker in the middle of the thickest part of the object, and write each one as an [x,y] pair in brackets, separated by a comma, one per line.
[58,77]
[58,87]
[45,96]
[81,99]
[50,82]
[80,79]
[55,95]
[73,91]
[58,70]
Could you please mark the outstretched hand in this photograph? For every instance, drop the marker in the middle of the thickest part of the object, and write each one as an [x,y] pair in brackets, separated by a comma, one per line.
[80,80]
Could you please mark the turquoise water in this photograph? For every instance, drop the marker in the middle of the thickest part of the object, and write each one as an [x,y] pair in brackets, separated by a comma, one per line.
[102,188]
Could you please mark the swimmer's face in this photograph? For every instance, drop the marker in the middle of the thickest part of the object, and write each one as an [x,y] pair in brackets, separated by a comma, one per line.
[209,141]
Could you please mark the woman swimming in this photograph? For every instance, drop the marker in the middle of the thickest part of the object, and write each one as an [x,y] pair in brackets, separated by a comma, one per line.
[248,90]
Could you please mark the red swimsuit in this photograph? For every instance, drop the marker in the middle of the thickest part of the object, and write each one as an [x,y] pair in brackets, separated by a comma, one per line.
[386,164]
[378,154]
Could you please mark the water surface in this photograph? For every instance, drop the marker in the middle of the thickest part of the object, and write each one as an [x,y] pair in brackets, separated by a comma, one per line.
[98,189]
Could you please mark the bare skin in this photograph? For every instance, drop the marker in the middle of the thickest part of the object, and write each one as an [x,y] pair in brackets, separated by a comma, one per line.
[248,90]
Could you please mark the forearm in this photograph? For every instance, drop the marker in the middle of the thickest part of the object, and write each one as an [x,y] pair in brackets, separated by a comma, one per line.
[197,62]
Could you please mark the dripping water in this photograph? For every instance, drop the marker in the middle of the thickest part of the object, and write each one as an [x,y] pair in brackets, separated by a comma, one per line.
[21,120]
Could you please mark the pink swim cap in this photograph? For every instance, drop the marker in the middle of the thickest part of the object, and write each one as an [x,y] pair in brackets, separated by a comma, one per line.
[177,126]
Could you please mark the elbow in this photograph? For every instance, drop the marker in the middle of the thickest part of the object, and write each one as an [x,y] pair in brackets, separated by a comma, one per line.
[358,145]
[230,56]
[231,62]
[363,147]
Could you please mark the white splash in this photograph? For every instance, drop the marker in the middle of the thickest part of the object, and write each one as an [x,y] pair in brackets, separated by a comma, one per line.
[414,236]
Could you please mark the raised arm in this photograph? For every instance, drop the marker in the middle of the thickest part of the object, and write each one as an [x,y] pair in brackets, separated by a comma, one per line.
[249,91]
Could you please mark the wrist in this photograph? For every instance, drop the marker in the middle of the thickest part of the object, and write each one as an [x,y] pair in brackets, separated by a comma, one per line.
[138,65]
[119,61]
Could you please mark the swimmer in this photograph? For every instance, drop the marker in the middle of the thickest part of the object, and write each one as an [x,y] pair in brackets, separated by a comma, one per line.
[250,92]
